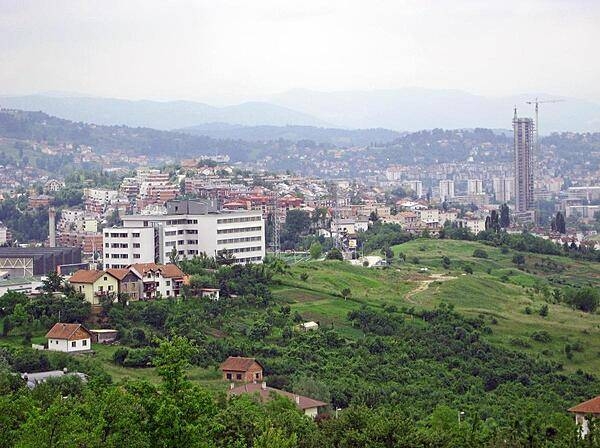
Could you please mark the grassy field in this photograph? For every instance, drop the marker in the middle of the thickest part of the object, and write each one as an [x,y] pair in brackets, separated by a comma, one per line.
[509,298]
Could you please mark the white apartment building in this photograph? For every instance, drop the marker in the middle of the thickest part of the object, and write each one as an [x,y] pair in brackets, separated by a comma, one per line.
[474,187]
[416,186]
[125,246]
[503,188]
[190,228]
[446,189]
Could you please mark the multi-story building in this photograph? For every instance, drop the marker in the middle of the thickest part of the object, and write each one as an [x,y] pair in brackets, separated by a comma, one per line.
[187,229]
[523,157]
[446,189]
[474,187]
[416,186]
[503,187]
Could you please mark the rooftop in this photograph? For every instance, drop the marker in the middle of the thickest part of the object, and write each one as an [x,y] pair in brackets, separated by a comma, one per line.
[238,363]
[264,392]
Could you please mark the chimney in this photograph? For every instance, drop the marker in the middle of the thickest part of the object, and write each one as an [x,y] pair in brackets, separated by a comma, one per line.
[263,385]
[52,226]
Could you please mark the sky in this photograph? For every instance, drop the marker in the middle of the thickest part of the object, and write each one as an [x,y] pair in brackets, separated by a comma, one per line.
[226,51]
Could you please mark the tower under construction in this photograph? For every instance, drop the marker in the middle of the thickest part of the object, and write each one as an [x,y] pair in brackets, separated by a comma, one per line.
[523,155]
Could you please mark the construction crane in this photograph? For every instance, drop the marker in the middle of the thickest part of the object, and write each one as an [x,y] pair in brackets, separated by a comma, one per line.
[537,133]
[537,118]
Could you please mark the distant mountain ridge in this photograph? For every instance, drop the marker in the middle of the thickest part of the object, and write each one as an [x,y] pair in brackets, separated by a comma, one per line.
[413,109]
[157,114]
[399,110]
[334,136]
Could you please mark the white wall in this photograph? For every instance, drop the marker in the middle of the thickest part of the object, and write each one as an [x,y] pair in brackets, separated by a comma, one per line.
[62,345]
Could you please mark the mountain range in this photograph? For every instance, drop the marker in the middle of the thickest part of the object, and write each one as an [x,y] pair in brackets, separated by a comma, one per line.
[407,109]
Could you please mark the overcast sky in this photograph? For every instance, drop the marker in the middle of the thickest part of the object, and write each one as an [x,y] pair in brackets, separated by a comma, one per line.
[227,50]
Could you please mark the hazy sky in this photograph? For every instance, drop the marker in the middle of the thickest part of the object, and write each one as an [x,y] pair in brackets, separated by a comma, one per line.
[227,50]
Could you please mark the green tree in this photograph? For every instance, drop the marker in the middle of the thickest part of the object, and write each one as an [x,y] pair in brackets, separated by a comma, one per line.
[315,250]
[335,254]
[346,293]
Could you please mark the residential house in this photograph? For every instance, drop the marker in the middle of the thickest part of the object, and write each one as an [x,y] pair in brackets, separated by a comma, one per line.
[308,406]
[582,411]
[130,282]
[159,280]
[69,338]
[94,284]
[237,368]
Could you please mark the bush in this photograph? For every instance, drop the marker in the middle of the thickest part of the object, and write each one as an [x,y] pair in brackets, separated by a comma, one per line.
[304,276]
[544,310]
[335,254]
[541,336]
[504,250]
[415,260]
[468,269]
[480,253]
[518,342]
[584,299]
[518,259]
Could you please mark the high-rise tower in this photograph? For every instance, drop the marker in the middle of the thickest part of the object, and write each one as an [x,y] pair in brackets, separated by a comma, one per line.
[524,140]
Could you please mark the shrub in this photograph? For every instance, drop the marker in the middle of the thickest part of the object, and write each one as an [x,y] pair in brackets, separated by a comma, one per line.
[518,342]
[480,253]
[304,276]
[541,336]
[468,269]
[335,254]
[504,250]
[518,259]
[415,260]
[544,310]
[528,310]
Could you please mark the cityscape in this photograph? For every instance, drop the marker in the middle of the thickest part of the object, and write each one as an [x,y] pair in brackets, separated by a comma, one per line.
[345,263]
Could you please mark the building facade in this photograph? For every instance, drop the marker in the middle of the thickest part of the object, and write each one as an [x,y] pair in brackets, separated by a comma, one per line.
[186,230]
[523,157]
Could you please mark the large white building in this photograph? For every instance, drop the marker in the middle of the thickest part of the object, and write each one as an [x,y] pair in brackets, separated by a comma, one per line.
[503,189]
[446,189]
[474,187]
[189,228]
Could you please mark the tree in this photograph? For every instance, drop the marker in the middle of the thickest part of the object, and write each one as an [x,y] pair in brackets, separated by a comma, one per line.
[346,293]
[315,250]
[559,223]
[335,254]
[504,216]
[174,256]
[53,282]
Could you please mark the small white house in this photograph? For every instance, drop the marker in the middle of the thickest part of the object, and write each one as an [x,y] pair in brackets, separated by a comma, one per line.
[69,338]
[210,293]
[582,411]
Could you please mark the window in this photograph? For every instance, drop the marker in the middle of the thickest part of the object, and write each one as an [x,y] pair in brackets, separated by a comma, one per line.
[168,282]
[73,344]
[105,278]
[135,235]
[228,376]
[136,255]
[56,342]
[110,288]
[238,376]
[84,343]
[136,245]
[257,375]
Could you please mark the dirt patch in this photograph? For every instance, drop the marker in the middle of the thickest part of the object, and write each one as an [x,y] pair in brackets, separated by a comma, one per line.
[424,284]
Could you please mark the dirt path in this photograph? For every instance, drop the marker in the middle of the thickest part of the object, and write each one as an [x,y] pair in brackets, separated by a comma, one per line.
[424,284]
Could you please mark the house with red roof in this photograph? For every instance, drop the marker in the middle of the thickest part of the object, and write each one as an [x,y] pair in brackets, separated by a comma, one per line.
[309,406]
[159,280]
[237,368]
[94,285]
[583,410]
[69,338]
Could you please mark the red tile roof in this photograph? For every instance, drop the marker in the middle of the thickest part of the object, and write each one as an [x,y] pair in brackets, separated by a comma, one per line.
[65,331]
[119,274]
[588,407]
[86,276]
[167,270]
[265,395]
[238,364]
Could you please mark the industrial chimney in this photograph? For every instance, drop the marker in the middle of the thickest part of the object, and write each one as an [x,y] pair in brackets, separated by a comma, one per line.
[52,226]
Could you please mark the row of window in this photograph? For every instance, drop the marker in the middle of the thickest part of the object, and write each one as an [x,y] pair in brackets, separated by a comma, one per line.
[246,249]
[248,259]
[125,256]
[239,219]
[239,230]
[240,240]
[121,235]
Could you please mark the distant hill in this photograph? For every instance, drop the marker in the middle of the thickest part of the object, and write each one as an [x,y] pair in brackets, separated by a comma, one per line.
[413,109]
[156,114]
[334,136]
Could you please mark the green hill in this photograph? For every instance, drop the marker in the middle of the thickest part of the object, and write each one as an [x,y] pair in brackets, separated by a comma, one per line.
[510,297]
